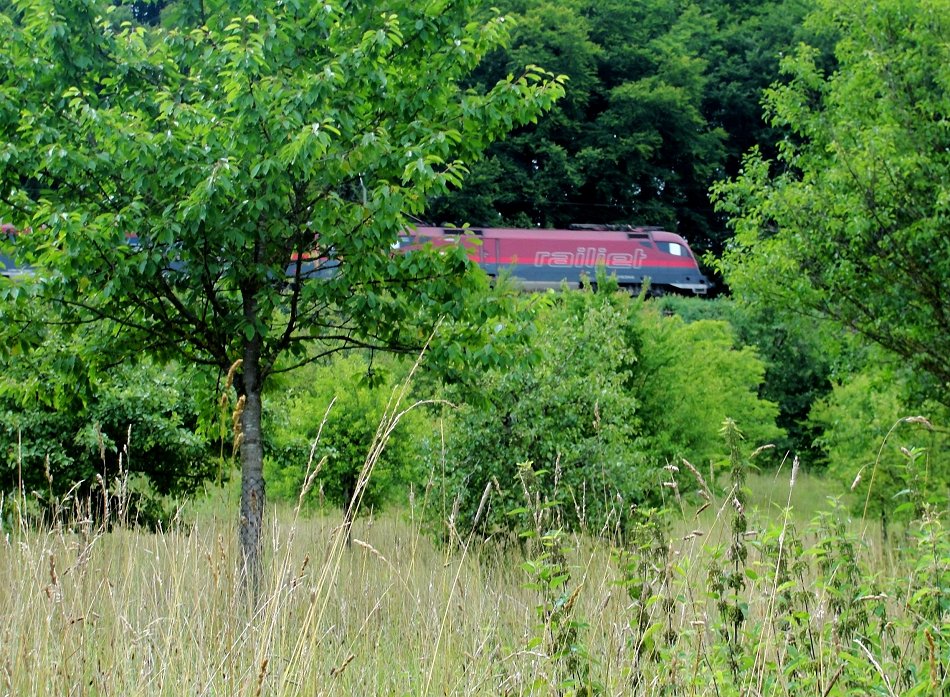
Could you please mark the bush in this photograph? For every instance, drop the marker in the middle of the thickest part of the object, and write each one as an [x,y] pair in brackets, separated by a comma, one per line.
[564,409]
[137,424]
[875,444]
[607,392]
[295,412]
[690,378]
[798,360]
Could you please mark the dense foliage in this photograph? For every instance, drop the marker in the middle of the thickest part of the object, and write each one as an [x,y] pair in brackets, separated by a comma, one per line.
[608,393]
[663,98]
[691,378]
[799,354]
[888,444]
[565,415]
[132,435]
[323,422]
[850,220]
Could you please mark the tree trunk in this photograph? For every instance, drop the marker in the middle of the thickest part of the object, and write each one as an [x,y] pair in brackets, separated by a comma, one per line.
[252,471]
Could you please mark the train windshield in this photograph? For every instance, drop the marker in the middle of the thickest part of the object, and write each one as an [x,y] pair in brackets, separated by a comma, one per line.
[674,248]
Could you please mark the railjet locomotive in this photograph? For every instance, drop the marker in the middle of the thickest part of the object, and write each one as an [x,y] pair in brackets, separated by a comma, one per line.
[542,259]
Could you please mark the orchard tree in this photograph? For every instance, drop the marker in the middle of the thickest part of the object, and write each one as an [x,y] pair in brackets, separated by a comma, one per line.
[851,220]
[228,190]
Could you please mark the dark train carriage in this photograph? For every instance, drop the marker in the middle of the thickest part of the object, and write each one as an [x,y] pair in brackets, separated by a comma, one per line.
[8,265]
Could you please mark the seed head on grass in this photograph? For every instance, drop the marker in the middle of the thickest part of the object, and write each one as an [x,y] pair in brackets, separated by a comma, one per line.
[703,487]
[372,550]
[338,671]
[260,678]
[481,504]
[236,426]
[857,479]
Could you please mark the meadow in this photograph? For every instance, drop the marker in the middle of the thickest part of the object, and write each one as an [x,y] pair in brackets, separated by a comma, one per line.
[784,594]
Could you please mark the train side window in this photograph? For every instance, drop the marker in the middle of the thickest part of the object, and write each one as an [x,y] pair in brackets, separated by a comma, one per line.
[674,248]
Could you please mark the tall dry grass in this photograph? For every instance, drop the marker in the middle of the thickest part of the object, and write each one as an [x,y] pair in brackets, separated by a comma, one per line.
[128,612]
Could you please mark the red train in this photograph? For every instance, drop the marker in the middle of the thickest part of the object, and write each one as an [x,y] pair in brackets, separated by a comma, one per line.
[542,259]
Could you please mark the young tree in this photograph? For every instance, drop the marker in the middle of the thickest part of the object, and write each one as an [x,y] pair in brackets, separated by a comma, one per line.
[608,392]
[851,221]
[265,155]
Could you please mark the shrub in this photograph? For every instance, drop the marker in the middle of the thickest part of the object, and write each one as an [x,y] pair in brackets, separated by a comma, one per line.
[797,356]
[565,408]
[338,397]
[874,442]
[137,421]
[608,391]
[690,378]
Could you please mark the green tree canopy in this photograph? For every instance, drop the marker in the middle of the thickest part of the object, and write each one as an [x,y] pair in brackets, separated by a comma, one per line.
[663,98]
[850,221]
[266,155]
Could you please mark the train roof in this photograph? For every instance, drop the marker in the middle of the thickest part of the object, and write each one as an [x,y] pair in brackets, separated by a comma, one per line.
[580,232]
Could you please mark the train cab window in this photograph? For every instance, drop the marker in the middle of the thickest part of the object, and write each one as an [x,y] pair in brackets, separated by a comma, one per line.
[674,248]
[403,242]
